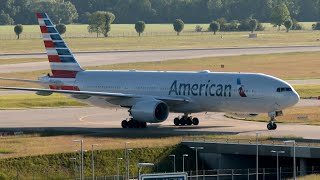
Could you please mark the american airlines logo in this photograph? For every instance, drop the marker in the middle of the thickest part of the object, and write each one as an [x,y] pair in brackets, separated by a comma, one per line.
[207,89]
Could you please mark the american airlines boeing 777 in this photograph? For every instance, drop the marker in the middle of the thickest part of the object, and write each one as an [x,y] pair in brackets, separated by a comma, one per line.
[151,95]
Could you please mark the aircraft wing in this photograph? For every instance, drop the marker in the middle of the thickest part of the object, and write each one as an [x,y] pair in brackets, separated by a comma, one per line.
[100,94]
[21,80]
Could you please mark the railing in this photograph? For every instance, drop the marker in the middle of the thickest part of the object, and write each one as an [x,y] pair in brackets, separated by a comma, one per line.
[299,142]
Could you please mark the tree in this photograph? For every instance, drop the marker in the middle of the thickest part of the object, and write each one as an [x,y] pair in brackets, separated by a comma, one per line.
[253,23]
[109,18]
[100,22]
[214,26]
[279,14]
[5,19]
[140,26]
[288,24]
[18,30]
[178,26]
[61,28]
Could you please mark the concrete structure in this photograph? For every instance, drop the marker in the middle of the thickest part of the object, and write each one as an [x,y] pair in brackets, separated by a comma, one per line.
[236,155]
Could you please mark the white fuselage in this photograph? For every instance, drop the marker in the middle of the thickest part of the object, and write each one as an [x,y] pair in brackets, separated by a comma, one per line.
[205,91]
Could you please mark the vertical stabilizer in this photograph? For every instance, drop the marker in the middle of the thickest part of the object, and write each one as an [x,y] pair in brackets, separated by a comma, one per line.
[62,62]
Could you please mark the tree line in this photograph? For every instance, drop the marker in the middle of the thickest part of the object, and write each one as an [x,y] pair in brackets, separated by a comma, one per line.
[155,11]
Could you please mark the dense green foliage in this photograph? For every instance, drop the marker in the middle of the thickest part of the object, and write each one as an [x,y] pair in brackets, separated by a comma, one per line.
[316,26]
[140,26]
[155,11]
[279,14]
[178,26]
[253,23]
[61,28]
[18,30]
[59,166]
[100,22]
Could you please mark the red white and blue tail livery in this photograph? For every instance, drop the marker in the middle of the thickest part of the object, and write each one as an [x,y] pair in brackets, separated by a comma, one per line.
[151,95]
[62,62]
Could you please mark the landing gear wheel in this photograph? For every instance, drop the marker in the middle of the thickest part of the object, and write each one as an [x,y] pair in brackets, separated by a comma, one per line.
[272,126]
[183,121]
[195,121]
[176,121]
[124,124]
[130,124]
[143,125]
[189,121]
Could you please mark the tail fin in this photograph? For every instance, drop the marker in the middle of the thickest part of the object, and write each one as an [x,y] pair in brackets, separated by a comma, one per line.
[62,62]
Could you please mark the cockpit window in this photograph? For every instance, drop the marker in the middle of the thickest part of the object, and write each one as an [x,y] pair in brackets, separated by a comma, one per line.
[283,89]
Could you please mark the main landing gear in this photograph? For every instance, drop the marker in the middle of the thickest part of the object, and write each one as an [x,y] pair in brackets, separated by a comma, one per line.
[185,120]
[272,125]
[131,123]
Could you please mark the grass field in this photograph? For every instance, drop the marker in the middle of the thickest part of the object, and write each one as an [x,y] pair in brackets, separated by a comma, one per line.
[159,37]
[303,115]
[34,101]
[301,65]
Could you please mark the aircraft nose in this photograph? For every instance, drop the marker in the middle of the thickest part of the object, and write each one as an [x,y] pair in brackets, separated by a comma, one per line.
[294,98]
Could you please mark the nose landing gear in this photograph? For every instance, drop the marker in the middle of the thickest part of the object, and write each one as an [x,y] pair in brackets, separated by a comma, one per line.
[272,125]
[185,120]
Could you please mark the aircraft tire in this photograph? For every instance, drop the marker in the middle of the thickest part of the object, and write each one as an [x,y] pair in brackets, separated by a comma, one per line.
[176,121]
[270,126]
[124,124]
[183,121]
[195,121]
[143,125]
[131,124]
[274,126]
[189,121]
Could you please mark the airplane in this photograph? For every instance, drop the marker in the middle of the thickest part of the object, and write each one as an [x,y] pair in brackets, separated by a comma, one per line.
[150,96]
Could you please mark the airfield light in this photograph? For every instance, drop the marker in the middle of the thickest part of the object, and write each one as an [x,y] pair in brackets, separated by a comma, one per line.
[257,154]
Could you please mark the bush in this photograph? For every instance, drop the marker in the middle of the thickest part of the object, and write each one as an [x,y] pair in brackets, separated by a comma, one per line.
[260,27]
[3,176]
[288,24]
[61,28]
[316,26]
[198,28]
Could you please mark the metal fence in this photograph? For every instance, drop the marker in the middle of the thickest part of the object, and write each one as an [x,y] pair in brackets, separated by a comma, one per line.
[12,36]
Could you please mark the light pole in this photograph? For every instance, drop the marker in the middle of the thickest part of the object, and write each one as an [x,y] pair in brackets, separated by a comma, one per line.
[81,142]
[174,162]
[126,160]
[294,157]
[92,159]
[197,148]
[257,155]
[118,167]
[129,150]
[184,155]
[278,152]
[142,165]
[75,165]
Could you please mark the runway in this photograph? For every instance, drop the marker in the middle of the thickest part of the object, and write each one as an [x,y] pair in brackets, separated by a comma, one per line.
[116,57]
[108,121]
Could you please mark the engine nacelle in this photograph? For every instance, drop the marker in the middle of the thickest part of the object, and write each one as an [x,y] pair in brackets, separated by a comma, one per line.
[152,111]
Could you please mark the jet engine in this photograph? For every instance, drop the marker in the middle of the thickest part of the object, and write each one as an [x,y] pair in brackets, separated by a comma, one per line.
[151,111]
